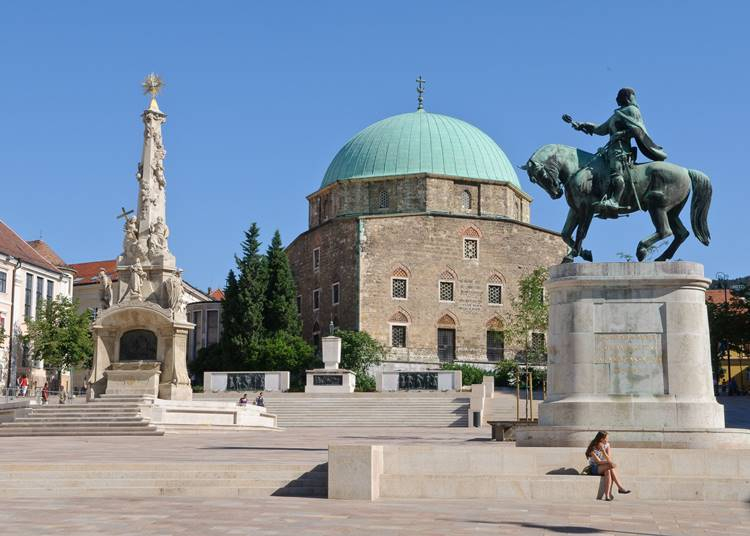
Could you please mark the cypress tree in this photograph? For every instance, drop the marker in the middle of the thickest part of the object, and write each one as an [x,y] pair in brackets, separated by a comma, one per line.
[280,311]
[244,298]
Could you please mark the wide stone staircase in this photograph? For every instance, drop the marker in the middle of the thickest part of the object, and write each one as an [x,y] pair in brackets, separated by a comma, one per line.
[124,480]
[412,409]
[106,416]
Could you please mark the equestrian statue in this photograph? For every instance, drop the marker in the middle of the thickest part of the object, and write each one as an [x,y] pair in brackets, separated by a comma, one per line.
[610,184]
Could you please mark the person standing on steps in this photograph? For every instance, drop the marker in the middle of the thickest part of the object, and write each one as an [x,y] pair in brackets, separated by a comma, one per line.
[45,394]
[601,464]
[259,400]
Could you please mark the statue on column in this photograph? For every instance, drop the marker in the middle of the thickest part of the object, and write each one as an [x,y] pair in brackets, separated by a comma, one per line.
[173,291]
[137,276]
[130,242]
[105,289]
[157,238]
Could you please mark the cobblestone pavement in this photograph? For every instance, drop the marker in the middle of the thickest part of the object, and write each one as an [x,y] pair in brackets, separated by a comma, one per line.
[278,515]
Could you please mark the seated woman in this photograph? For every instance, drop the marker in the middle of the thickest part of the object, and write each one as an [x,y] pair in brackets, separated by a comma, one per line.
[243,400]
[602,465]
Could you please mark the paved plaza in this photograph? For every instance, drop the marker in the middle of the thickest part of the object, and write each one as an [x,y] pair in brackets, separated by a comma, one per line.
[277,515]
[291,515]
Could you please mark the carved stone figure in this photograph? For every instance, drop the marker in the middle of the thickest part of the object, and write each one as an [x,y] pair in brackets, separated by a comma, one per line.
[105,289]
[157,238]
[158,169]
[137,276]
[173,292]
[130,242]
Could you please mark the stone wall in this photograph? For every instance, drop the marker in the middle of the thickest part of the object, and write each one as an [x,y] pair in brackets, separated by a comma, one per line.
[429,248]
[337,240]
[414,194]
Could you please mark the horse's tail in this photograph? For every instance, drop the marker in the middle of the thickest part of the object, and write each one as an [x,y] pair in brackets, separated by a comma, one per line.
[702,191]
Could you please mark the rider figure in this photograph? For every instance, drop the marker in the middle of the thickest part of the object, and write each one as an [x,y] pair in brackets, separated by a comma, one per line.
[625,123]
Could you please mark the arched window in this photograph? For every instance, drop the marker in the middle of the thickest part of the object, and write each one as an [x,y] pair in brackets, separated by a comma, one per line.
[383,199]
[466,200]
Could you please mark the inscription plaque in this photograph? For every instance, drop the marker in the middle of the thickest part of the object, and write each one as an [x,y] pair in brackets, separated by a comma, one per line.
[418,381]
[251,381]
[635,362]
[328,379]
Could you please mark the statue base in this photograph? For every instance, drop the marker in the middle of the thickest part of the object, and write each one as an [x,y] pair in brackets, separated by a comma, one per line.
[629,350]
[133,378]
[171,391]
[330,381]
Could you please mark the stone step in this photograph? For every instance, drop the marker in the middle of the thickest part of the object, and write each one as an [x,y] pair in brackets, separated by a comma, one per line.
[78,430]
[90,483]
[190,467]
[560,487]
[78,419]
[134,492]
[108,423]
[304,475]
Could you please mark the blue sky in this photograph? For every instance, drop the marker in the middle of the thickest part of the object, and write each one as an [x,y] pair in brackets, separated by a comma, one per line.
[261,95]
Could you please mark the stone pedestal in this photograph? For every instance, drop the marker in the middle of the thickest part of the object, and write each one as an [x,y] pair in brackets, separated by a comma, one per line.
[330,381]
[629,352]
[133,378]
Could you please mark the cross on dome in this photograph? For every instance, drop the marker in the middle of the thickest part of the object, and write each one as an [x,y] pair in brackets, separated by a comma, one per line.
[420,93]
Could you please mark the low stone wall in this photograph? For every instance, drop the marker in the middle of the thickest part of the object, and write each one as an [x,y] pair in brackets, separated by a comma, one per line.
[177,412]
[214,382]
[16,408]
[429,380]
[369,472]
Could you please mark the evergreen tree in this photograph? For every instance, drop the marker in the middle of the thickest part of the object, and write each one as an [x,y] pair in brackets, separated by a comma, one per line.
[244,298]
[280,307]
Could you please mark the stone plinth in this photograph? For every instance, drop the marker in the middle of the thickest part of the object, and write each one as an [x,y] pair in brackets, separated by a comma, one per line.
[133,378]
[330,381]
[246,381]
[629,351]
[428,380]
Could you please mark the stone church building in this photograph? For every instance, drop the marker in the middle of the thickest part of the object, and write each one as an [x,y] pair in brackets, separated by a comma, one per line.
[418,235]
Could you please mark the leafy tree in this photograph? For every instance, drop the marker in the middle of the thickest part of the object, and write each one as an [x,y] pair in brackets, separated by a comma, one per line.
[530,314]
[280,304]
[60,335]
[470,374]
[729,328]
[359,353]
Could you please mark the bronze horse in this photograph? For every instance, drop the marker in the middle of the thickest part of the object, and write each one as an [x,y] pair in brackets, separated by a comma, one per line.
[661,188]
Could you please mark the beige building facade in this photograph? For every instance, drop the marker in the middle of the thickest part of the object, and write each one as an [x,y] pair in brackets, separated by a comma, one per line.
[419,235]
[30,273]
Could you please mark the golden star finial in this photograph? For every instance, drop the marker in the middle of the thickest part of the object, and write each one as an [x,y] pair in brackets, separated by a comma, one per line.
[152,84]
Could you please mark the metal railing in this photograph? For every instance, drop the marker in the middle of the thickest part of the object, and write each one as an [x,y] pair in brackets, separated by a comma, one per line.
[13,394]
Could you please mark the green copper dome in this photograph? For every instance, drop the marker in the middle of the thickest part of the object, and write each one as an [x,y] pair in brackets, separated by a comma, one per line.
[421,142]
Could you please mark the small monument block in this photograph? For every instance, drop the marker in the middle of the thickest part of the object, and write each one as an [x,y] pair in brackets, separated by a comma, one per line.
[330,379]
